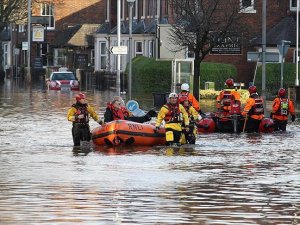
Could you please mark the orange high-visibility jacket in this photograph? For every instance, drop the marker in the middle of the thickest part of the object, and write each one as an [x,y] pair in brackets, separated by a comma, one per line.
[236,95]
[277,111]
[254,108]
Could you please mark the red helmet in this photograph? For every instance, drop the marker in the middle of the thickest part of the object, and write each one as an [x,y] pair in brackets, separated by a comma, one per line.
[183,98]
[229,82]
[252,89]
[80,96]
[281,92]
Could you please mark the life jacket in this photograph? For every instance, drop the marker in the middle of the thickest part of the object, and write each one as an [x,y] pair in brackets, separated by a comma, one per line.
[184,96]
[117,113]
[81,109]
[283,107]
[258,107]
[173,115]
[226,100]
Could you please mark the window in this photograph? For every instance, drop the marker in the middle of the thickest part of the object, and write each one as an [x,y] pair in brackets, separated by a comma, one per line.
[21,28]
[150,48]
[103,56]
[48,10]
[138,48]
[92,63]
[247,6]
[293,5]
[5,55]
[295,56]
[59,57]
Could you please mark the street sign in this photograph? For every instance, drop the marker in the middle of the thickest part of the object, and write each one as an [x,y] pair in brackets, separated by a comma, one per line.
[257,57]
[283,47]
[119,50]
[132,105]
[24,45]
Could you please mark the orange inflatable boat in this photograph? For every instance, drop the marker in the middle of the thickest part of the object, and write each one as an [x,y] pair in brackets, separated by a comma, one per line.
[123,132]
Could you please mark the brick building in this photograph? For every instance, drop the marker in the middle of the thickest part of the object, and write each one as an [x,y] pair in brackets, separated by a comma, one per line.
[149,14]
[87,30]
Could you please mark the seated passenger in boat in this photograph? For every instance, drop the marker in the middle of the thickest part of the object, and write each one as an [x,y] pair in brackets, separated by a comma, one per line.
[253,111]
[190,136]
[226,96]
[117,111]
[176,119]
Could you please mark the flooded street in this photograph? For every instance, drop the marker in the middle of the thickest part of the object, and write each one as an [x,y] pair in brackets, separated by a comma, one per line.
[225,179]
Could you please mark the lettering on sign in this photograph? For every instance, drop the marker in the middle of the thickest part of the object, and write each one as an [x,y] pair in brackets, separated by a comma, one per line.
[135,127]
[231,44]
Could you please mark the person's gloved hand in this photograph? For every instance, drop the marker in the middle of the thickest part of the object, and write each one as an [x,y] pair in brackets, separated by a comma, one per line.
[81,116]
[100,122]
[293,118]
[156,129]
[187,129]
[271,115]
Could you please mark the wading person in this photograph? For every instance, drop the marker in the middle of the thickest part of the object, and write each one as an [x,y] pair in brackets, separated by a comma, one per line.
[226,96]
[176,119]
[79,115]
[282,107]
[253,111]
[185,91]
[190,136]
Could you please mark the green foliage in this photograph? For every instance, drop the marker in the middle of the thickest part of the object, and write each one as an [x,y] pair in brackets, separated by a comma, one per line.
[149,75]
[273,76]
[216,72]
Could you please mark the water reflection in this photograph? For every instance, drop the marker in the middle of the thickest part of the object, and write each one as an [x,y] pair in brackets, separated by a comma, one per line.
[223,179]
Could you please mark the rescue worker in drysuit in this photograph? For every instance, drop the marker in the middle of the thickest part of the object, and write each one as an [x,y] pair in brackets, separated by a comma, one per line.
[224,99]
[176,119]
[281,108]
[190,136]
[79,114]
[253,110]
[117,111]
[185,88]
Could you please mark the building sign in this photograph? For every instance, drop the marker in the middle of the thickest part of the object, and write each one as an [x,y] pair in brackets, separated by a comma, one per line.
[38,33]
[230,45]
[81,61]
[38,63]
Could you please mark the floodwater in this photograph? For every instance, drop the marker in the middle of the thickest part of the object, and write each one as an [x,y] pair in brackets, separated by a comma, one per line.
[225,179]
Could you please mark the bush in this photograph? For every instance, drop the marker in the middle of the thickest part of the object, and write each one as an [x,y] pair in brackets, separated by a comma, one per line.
[149,75]
[273,76]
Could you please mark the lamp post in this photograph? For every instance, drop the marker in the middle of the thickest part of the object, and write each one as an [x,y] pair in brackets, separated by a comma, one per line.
[283,48]
[131,3]
[297,45]
[28,42]
[118,82]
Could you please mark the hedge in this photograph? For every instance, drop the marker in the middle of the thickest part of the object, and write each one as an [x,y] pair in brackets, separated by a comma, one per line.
[149,75]
[273,77]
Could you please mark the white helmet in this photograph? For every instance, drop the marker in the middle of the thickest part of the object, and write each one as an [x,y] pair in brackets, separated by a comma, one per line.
[185,87]
[173,95]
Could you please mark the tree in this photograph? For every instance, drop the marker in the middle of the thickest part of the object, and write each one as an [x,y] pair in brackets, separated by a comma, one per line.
[202,24]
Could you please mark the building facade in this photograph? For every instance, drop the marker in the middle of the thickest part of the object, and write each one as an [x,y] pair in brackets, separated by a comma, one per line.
[148,14]
[87,30]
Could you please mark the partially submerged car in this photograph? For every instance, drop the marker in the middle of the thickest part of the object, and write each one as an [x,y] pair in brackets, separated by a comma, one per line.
[63,81]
